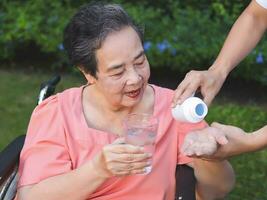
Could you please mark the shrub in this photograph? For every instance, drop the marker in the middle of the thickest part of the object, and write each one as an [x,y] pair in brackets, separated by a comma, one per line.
[180,35]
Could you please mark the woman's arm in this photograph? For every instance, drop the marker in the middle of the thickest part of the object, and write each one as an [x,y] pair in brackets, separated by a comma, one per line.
[214,179]
[221,141]
[239,141]
[78,184]
[257,140]
[243,37]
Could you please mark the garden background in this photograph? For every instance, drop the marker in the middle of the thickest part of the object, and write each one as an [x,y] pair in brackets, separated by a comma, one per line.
[179,36]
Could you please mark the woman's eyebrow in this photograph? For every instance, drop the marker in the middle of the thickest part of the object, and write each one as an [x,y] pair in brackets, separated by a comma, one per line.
[139,55]
[114,67]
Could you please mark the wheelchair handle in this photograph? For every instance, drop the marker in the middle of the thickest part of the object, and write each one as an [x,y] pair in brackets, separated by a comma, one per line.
[48,88]
[54,80]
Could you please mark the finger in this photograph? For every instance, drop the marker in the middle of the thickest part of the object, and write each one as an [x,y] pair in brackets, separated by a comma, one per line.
[209,149]
[176,98]
[210,159]
[122,173]
[178,92]
[128,158]
[125,148]
[198,153]
[120,140]
[217,125]
[131,172]
[189,91]
[187,143]
[198,149]
[118,168]
[223,128]
[189,153]
[221,138]
[139,171]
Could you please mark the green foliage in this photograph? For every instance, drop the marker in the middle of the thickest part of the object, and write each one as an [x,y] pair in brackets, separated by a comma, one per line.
[230,113]
[250,169]
[178,34]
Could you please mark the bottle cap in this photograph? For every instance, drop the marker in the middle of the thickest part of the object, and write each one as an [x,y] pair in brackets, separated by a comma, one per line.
[191,110]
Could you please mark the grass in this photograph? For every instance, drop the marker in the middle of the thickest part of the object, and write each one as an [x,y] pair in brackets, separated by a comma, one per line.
[250,169]
[19,95]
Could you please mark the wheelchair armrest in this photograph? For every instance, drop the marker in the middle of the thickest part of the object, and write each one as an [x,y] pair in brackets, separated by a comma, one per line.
[9,157]
[185,183]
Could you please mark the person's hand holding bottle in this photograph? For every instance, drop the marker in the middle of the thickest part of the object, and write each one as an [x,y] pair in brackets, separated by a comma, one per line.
[209,82]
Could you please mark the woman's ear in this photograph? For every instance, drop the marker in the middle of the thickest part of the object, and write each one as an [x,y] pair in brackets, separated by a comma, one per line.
[91,79]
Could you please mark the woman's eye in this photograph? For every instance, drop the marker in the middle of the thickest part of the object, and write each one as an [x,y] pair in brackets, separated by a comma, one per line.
[139,63]
[118,74]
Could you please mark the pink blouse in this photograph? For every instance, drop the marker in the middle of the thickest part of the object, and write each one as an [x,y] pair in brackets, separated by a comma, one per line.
[59,140]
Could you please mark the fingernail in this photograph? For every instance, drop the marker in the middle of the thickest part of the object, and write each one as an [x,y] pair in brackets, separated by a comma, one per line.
[142,149]
[189,153]
[224,141]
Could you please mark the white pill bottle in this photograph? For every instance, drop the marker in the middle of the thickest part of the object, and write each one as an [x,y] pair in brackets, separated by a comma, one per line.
[192,110]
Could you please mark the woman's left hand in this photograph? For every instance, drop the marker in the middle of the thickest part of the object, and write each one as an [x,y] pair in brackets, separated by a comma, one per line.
[217,142]
[204,142]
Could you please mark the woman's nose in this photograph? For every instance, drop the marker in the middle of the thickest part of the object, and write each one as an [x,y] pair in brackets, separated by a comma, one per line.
[133,76]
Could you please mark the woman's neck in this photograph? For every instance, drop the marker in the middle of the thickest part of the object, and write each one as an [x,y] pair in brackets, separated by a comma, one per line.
[100,116]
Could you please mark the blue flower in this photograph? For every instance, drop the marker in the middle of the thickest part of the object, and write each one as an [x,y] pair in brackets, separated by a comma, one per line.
[259,59]
[162,46]
[147,45]
[60,47]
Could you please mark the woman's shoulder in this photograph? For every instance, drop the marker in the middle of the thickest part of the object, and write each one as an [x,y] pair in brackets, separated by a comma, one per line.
[64,99]
[70,94]
[163,90]
[163,95]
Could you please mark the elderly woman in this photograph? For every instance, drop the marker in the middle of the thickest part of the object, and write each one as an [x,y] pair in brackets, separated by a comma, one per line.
[74,147]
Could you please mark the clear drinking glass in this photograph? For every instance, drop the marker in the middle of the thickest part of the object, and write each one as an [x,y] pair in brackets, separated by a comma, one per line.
[141,130]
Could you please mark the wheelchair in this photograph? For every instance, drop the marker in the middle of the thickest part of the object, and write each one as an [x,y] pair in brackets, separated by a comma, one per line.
[9,160]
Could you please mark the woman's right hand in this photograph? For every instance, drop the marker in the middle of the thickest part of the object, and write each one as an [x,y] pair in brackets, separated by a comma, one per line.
[120,159]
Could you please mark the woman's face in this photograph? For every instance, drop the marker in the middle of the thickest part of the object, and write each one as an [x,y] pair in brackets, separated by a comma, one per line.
[123,69]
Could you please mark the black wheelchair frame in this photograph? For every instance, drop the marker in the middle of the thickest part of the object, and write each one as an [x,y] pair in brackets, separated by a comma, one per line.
[9,161]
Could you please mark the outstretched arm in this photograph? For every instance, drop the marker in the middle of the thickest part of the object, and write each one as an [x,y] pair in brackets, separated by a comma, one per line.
[221,141]
[243,37]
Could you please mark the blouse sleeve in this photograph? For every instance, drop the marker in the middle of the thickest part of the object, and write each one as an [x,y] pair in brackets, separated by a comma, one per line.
[185,128]
[45,152]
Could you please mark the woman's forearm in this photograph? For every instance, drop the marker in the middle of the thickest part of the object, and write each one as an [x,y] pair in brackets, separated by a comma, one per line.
[243,37]
[75,185]
[258,139]
[214,179]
